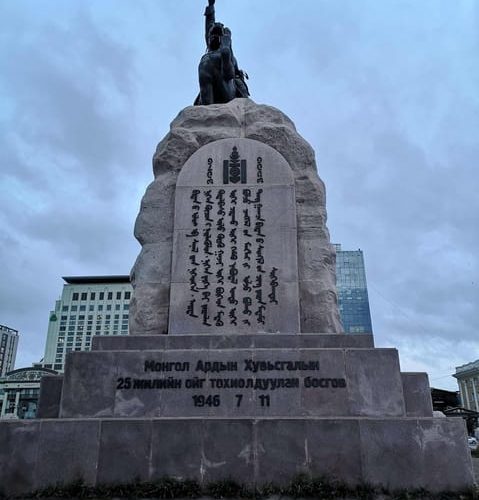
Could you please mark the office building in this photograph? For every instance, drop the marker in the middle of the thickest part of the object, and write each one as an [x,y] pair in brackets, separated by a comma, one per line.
[468,380]
[352,291]
[89,305]
[8,349]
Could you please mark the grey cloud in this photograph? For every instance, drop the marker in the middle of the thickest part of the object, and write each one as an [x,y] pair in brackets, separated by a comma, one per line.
[63,81]
[386,92]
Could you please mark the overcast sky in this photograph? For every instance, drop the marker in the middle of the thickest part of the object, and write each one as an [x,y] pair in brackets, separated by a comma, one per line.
[386,91]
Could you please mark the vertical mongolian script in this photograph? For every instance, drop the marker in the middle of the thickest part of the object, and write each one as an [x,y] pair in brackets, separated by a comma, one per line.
[234,262]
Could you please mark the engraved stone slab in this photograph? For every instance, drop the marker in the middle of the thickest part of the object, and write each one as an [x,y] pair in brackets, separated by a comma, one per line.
[212,383]
[235,266]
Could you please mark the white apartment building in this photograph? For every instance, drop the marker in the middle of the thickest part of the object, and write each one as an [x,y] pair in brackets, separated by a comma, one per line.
[89,305]
[8,349]
[468,380]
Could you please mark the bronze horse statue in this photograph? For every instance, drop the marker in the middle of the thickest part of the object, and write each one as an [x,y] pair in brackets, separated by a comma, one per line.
[220,78]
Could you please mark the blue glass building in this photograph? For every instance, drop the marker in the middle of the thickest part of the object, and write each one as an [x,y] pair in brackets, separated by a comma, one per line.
[352,290]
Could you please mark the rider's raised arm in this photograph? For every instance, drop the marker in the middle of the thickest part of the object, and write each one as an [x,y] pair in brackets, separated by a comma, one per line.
[209,18]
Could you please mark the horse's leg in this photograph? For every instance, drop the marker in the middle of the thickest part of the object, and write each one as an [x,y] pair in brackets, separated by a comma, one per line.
[206,84]
[226,91]
[228,66]
[206,93]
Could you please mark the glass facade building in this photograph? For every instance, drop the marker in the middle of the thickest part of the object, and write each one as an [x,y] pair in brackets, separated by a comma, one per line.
[89,305]
[352,291]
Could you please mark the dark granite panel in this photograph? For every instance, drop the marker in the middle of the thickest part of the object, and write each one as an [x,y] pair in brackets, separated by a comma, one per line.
[417,394]
[176,449]
[68,451]
[415,453]
[50,396]
[18,456]
[125,449]
[374,382]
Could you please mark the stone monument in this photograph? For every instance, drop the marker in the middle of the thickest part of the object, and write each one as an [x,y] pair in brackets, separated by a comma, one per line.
[236,365]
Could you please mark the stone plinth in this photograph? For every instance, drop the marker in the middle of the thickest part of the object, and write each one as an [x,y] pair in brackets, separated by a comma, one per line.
[260,341]
[392,452]
[233,383]
[50,396]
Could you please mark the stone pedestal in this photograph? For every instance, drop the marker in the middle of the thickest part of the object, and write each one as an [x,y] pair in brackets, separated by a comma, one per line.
[324,405]
[275,157]
[237,269]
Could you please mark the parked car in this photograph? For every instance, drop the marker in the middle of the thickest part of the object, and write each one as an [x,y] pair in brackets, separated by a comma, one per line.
[472,442]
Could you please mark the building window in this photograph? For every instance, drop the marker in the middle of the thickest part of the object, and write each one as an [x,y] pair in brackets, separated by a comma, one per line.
[110,295]
[100,307]
[92,296]
[75,296]
[117,307]
[65,308]
[102,296]
[126,307]
[108,307]
[82,308]
[73,308]
[127,295]
[118,295]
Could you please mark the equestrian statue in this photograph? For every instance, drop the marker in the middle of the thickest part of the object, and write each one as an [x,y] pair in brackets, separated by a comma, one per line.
[220,78]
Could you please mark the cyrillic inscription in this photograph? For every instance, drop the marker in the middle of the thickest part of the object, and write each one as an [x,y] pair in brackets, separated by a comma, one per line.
[219,381]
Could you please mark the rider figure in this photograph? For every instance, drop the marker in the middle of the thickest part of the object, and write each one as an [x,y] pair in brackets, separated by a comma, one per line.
[220,78]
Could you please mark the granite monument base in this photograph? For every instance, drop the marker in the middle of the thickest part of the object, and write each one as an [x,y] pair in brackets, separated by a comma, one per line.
[240,407]
[393,452]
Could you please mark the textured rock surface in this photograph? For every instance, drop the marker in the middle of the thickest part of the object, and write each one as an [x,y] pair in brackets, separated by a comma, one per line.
[193,128]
